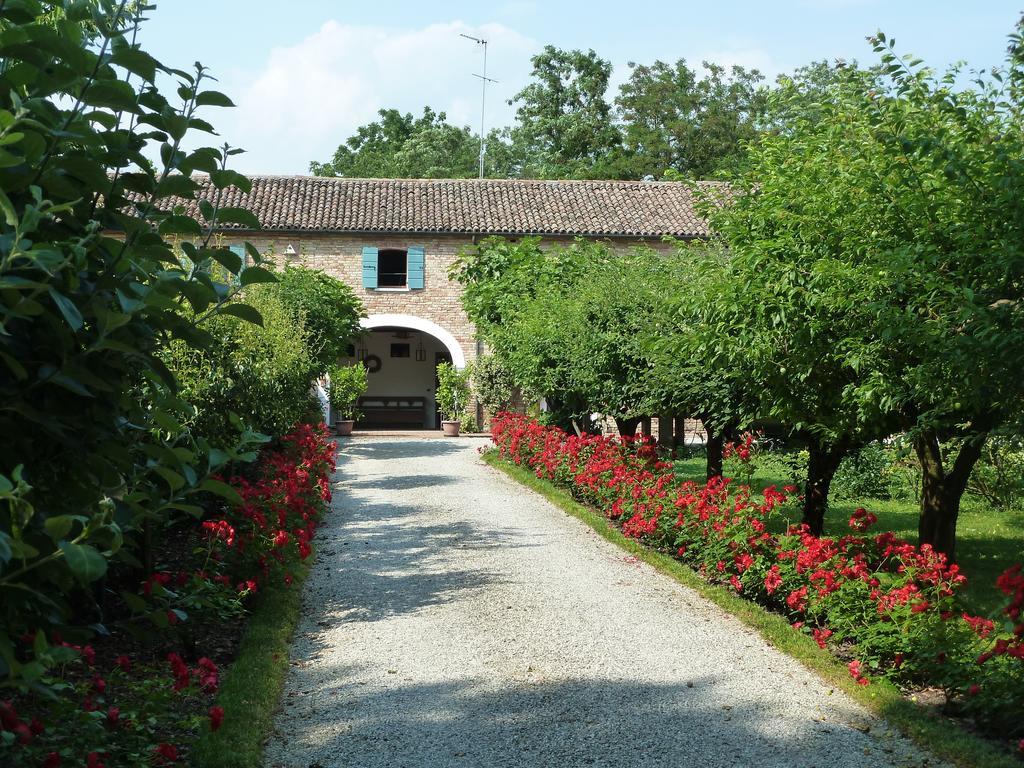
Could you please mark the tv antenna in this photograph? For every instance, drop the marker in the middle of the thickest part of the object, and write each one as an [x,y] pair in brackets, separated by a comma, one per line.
[484,80]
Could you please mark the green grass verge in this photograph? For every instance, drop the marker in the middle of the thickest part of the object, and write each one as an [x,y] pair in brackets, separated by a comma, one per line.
[252,685]
[989,540]
[942,736]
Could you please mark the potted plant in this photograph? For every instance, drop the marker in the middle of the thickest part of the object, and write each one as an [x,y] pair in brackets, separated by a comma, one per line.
[348,384]
[452,392]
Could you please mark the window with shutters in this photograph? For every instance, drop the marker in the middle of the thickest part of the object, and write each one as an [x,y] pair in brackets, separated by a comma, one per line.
[392,268]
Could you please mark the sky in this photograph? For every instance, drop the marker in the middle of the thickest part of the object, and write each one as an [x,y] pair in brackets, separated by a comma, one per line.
[304,74]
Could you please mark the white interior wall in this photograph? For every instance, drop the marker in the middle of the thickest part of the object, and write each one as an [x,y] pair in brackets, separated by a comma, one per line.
[404,375]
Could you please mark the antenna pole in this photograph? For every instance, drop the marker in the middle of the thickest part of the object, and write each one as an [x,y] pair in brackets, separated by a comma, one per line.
[483,104]
[484,80]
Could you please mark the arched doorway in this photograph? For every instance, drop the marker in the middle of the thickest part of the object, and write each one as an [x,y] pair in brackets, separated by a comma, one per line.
[402,353]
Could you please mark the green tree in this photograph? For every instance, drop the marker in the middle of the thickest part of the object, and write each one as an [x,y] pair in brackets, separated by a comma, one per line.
[696,127]
[403,146]
[879,231]
[564,123]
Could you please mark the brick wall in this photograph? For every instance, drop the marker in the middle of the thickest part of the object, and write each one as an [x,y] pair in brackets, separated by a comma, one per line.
[340,255]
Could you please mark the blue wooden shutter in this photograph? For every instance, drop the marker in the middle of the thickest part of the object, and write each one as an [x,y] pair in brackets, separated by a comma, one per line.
[369,267]
[415,266]
[239,251]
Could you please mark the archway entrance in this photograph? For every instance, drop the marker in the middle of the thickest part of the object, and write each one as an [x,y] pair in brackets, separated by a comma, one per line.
[401,353]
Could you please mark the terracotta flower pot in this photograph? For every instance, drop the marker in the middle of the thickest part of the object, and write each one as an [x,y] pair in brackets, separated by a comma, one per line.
[344,428]
[450,428]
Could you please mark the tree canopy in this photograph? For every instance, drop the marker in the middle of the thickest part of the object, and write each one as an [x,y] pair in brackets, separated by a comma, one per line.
[667,119]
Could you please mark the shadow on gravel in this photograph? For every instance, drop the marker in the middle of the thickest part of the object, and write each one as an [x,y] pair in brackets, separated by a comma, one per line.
[402,482]
[386,561]
[382,448]
[567,724]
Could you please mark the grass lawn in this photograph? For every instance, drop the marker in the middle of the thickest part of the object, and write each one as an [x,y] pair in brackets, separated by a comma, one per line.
[988,540]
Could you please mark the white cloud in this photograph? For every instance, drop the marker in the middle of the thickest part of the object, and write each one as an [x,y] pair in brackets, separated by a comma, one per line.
[308,98]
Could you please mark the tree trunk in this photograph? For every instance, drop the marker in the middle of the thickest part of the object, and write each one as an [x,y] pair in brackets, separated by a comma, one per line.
[627,426]
[678,431]
[645,426]
[941,492]
[822,463]
[714,446]
[665,432]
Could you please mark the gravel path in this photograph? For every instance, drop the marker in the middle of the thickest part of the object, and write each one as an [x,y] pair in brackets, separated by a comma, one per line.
[454,618]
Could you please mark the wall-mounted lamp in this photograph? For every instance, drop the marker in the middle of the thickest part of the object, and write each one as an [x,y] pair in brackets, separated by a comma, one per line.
[290,251]
[421,353]
[361,353]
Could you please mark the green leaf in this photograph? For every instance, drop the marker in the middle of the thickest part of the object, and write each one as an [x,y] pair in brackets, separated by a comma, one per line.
[213,99]
[252,275]
[243,311]
[228,259]
[85,562]
[134,602]
[136,61]
[180,225]
[174,480]
[240,216]
[59,526]
[67,308]
[224,178]
[113,94]
[10,216]
[221,489]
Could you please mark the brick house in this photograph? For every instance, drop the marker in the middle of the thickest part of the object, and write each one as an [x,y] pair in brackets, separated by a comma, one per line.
[394,240]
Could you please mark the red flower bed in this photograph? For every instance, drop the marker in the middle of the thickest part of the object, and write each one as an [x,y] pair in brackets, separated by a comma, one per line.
[131,713]
[889,604]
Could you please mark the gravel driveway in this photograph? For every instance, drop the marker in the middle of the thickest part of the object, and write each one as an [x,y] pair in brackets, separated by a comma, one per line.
[454,618]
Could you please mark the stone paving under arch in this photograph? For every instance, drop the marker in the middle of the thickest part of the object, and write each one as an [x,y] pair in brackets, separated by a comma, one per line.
[454,619]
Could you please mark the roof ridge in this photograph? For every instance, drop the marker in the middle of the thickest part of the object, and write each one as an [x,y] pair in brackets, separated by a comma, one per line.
[585,207]
[425,181]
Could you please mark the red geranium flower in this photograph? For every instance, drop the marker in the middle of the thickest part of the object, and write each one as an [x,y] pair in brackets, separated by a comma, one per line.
[216,717]
[167,751]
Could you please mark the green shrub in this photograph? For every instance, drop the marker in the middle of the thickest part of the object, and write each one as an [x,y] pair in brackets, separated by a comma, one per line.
[330,308]
[468,423]
[260,373]
[493,384]
[998,477]
[348,384]
[452,390]
[96,454]
[864,474]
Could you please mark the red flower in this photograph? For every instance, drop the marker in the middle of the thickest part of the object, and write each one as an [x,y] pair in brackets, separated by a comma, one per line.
[168,752]
[124,663]
[216,717]
[172,617]
[89,655]
[207,673]
[821,635]
[92,760]
[52,760]
[773,580]
[23,732]
[113,716]
[974,690]
[797,599]
[8,716]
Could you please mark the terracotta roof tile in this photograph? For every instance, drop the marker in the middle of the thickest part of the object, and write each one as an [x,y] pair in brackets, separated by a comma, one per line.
[469,206]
